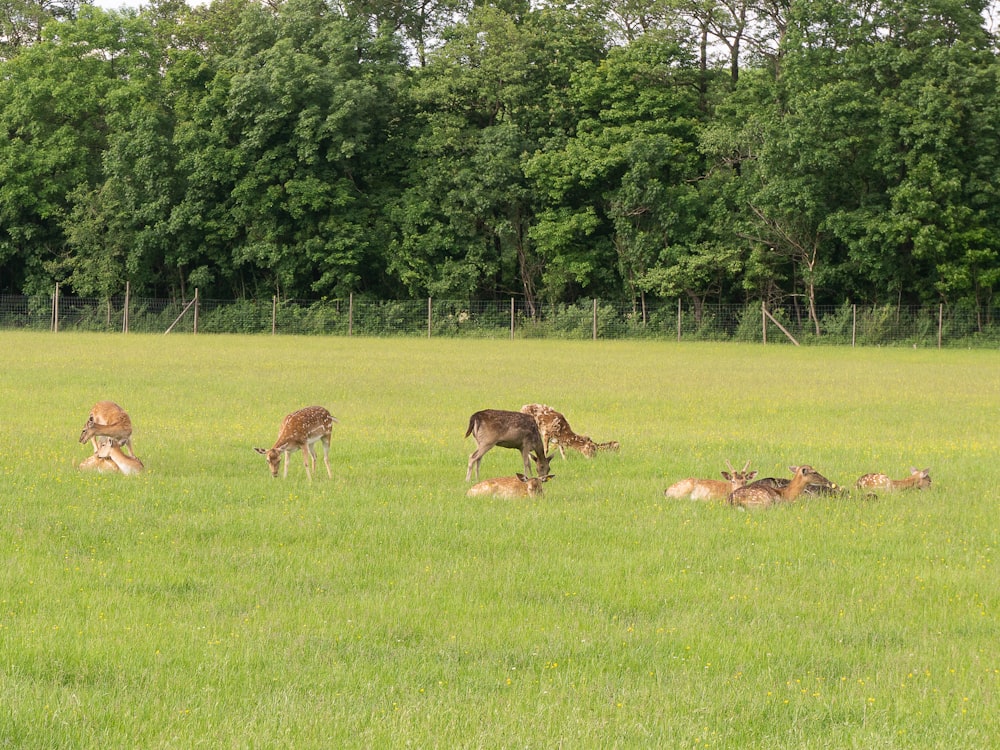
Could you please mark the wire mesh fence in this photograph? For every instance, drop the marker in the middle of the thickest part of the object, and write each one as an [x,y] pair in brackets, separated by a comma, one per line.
[847,324]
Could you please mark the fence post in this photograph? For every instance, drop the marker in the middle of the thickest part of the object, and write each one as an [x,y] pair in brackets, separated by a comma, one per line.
[511,318]
[854,324]
[429,308]
[196,311]
[595,320]
[350,314]
[128,289]
[940,322]
[274,313]
[55,309]
[763,320]
[678,319]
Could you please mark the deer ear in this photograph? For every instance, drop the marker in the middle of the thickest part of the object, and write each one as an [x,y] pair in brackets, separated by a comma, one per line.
[751,475]
[727,475]
[521,476]
[261,451]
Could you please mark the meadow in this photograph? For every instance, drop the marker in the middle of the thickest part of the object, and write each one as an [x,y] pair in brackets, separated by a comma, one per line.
[205,604]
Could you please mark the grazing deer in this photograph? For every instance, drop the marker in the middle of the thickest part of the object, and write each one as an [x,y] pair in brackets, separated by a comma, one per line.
[109,450]
[300,430]
[917,480]
[510,487]
[554,428]
[768,491]
[108,419]
[508,429]
[712,489]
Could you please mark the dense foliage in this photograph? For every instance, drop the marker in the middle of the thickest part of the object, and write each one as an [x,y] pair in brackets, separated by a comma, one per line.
[719,151]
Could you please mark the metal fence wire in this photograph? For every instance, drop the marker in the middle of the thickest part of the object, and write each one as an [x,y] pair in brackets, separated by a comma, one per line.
[846,324]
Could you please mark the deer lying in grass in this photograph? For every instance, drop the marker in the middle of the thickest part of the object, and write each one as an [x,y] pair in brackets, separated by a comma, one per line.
[554,428]
[917,480]
[109,450]
[95,462]
[712,489]
[768,491]
[300,430]
[510,487]
[108,419]
[508,429]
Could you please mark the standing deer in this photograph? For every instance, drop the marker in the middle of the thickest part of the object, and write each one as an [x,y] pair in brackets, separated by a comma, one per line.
[108,419]
[917,480]
[300,430]
[554,428]
[508,429]
[510,487]
[765,492]
[712,489]
[109,450]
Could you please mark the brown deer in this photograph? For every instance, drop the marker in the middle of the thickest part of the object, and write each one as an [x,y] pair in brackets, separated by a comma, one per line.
[108,419]
[918,479]
[94,462]
[712,489]
[109,452]
[554,428]
[300,430]
[768,491]
[510,487]
[508,429]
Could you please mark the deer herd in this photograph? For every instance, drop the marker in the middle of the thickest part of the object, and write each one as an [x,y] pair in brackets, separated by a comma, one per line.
[532,431]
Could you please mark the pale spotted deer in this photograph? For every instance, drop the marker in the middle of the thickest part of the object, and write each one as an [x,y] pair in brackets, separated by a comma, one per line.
[507,429]
[766,492]
[108,419]
[554,428]
[917,480]
[300,430]
[510,487]
[712,489]
[109,450]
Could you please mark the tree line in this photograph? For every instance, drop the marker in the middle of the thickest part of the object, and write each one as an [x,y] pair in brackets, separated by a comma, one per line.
[712,150]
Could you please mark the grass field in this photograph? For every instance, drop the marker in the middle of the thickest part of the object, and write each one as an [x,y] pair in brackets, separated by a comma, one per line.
[205,604]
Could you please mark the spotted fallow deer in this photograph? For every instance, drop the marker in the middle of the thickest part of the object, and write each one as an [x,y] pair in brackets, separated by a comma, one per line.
[300,430]
[507,429]
[554,428]
[766,492]
[712,489]
[108,419]
[510,487]
[917,480]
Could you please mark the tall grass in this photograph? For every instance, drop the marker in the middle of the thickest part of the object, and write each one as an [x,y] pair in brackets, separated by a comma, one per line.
[205,604]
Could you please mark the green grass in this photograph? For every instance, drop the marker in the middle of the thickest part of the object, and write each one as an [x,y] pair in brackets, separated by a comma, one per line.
[205,604]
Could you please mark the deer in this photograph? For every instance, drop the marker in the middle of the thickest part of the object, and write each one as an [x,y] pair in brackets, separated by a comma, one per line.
[554,428]
[108,419]
[108,449]
[508,429]
[300,430]
[917,480]
[768,491]
[510,487]
[94,462]
[712,489]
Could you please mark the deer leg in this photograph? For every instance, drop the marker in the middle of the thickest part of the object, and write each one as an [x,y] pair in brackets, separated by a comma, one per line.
[474,459]
[326,456]
[526,455]
[285,454]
